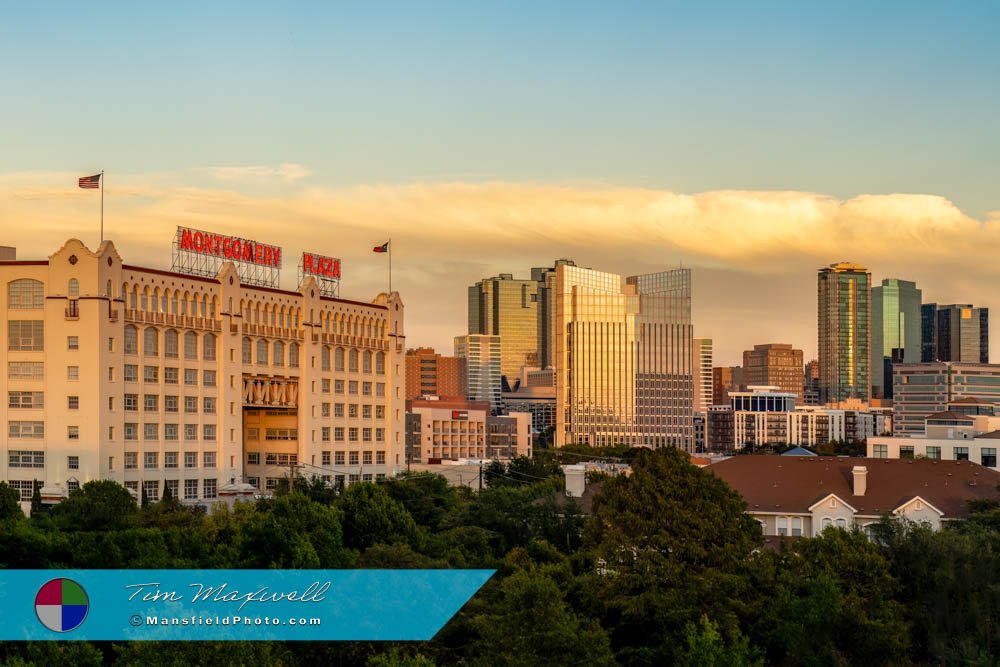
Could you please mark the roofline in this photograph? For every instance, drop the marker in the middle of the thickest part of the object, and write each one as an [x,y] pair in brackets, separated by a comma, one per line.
[921,499]
[853,509]
[161,272]
[24,262]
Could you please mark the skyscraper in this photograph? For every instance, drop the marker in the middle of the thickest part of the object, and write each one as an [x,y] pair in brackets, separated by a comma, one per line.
[724,380]
[483,358]
[702,374]
[958,333]
[505,307]
[776,365]
[428,372]
[896,326]
[623,358]
[844,318]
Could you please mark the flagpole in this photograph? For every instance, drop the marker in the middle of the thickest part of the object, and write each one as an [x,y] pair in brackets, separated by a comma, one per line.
[390,265]
[102,206]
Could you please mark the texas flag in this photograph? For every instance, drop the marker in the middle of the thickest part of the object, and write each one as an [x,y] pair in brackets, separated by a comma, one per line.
[381,248]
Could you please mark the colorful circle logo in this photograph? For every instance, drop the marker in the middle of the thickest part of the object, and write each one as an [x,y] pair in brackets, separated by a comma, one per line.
[61,605]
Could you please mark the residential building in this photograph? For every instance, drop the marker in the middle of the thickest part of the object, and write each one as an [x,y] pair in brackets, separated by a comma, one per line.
[453,429]
[923,389]
[724,380]
[896,335]
[719,429]
[702,374]
[803,496]
[159,379]
[948,436]
[774,364]
[844,332]
[430,374]
[623,358]
[483,356]
[957,333]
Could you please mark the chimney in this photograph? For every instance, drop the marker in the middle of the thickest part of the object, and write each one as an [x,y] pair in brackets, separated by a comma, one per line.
[860,480]
[576,480]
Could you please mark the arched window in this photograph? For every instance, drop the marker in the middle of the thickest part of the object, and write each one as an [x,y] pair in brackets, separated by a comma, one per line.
[107,290]
[25,294]
[204,306]
[208,347]
[73,289]
[150,342]
[211,307]
[352,361]
[826,523]
[173,303]
[278,353]
[131,339]
[324,358]
[144,299]
[262,351]
[293,355]
[842,523]
[170,344]
[247,350]
[338,359]
[190,345]
[163,301]
[133,299]
[366,362]
[380,363]
[184,304]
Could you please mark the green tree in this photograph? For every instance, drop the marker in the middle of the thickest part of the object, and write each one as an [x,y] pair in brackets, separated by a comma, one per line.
[10,503]
[372,516]
[98,505]
[36,498]
[706,647]
[289,532]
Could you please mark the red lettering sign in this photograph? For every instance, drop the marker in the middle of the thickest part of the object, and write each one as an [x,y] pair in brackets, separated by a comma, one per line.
[318,265]
[229,247]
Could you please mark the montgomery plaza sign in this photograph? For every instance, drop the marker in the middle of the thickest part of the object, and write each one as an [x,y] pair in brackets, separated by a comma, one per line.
[232,248]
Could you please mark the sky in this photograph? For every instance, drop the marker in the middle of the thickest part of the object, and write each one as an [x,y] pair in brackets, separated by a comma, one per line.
[754,142]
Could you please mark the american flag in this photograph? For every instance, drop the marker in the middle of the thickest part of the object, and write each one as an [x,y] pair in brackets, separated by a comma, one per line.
[90,182]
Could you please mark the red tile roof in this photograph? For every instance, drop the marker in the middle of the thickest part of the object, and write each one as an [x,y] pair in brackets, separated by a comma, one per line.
[794,484]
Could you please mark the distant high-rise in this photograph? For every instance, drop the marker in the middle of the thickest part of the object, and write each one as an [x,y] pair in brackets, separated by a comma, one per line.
[844,318]
[482,356]
[958,333]
[774,365]
[810,383]
[896,324]
[623,358]
[702,374]
[429,373]
[724,380]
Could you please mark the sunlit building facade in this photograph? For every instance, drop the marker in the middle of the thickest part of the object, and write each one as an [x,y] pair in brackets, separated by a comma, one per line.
[624,358]
[508,308]
[844,318]
[483,358]
[160,380]
[702,374]
[895,331]
[774,364]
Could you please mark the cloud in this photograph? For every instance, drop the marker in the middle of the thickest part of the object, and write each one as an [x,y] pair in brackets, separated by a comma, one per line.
[287,172]
[755,254]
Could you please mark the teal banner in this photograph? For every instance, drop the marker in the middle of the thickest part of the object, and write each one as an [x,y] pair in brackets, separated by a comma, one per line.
[315,605]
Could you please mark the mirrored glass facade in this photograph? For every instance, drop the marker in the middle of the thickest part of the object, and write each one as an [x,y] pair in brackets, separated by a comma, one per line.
[844,314]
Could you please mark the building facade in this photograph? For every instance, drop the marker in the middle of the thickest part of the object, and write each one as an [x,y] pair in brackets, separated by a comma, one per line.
[726,379]
[957,333]
[431,374]
[508,308]
[948,436]
[454,430]
[157,379]
[920,390]
[896,331]
[483,357]
[623,358]
[844,319]
[702,374]
[774,364]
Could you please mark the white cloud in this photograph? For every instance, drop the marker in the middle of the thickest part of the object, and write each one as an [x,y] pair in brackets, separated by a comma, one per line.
[287,172]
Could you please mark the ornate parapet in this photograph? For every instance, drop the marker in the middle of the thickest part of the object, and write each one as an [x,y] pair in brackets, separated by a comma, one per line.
[270,392]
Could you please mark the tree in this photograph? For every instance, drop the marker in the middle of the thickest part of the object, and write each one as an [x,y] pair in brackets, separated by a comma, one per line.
[145,496]
[372,516]
[705,647]
[36,498]
[98,505]
[10,503]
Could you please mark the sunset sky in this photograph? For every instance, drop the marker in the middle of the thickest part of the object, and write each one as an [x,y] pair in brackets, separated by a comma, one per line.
[754,142]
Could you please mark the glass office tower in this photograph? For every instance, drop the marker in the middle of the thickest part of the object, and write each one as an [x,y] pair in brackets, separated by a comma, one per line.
[896,325]
[844,318]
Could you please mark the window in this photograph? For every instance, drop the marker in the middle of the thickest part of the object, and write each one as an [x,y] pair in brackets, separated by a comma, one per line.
[131,460]
[782,525]
[325,434]
[151,431]
[380,435]
[880,451]
[354,458]
[170,375]
[352,434]
[380,388]
[338,359]
[170,344]
[190,431]
[150,342]
[131,339]
[253,433]
[190,345]
[338,458]
[281,434]
[796,526]
[150,403]
[247,351]
[988,457]
[169,459]
[379,412]
[262,351]
[961,453]
[380,363]
[338,386]
[72,402]
[367,477]
[152,489]
[906,452]
[73,462]
[278,353]
[366,434]
[25,370]
[208,347]
[190,489]
[338,434]
[352,387]
[325,386]
[253,458]
[934,452]
[172,485]
[191,377]
[826,523]
[131,431]
[324,356]
[366,389]
[191,404]
[151,374]
[208,432]
[366,362]
[72,432]
[170,403]
[293,355]
[208,378]
[25,294]
[31,400]
[151,460]
[72,342]
[208,405]
[353,478]
[366,458]
[208,460]
[325,409]
[170,431]
[190,459]
[352,361]
[73,373]
[19,429]
[23,458]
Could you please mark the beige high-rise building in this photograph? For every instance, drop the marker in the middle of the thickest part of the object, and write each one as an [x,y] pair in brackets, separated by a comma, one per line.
[623,358]
[702,374]
[157,379]
[774,365]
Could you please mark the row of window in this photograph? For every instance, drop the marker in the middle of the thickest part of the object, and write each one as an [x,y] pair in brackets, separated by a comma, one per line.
[352,387]
[271,483]
[151,460]
[171,375]
[171,342]
[277,350]
[352,410]
[209,488]
[171,403]
[987,455]
[352,357]
[169,301]
[151,431]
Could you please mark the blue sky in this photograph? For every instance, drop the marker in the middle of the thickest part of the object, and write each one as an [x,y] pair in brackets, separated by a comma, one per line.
[486,137]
